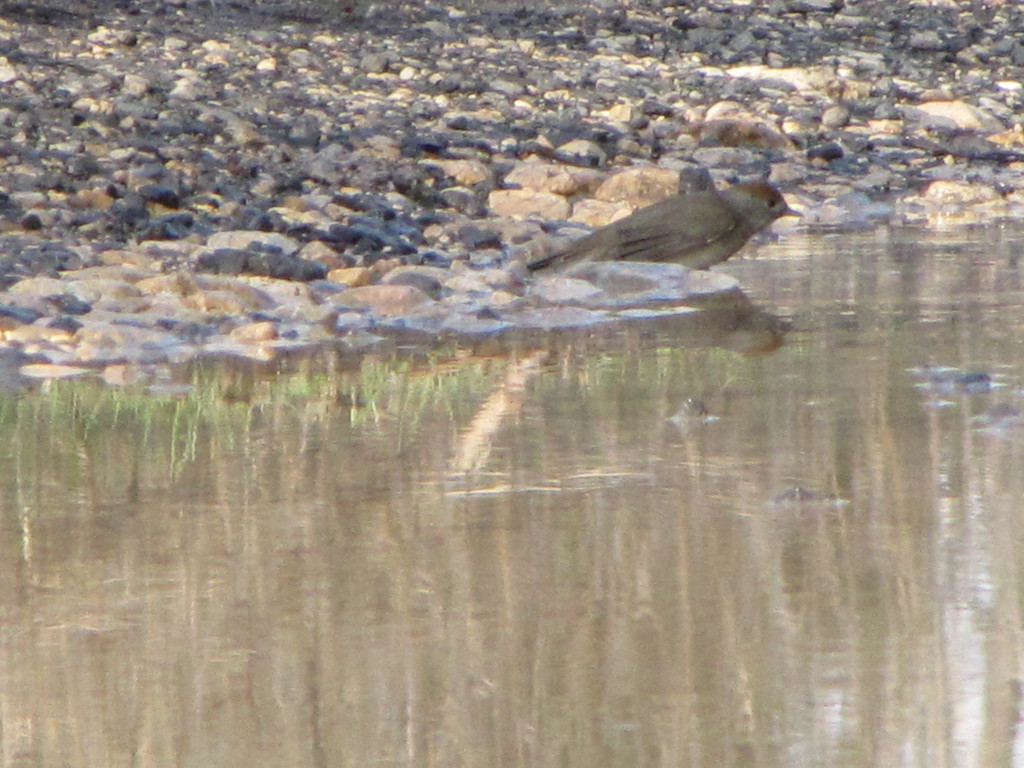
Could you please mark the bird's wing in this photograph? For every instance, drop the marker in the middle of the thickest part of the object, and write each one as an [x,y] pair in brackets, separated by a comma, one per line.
[671,229]
[665,231]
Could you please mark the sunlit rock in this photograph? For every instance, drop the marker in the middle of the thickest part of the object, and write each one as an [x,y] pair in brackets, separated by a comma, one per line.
[252,333]
[383,300]
[639,187]
[243,239]
[553,318]
[527,204]
[50,371]
[471,325]
[559,289]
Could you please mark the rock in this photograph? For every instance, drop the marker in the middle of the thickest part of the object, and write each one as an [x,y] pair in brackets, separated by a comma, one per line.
[626,284]
[946,192]
[562,290]
[582,152]
[639,187]
[119,272]
[216,302]
[475,237]
[247,239]
[430,280]
[226,261]
[261,353]
[37,333]
[257,332]
[177,284]
[743,133]
[550,177]
[13,316]
[528,204]
[471,325]
[467,283]
[827,152]
[467,173]
[508,277]
[383,300]
[49,371]
[784,78]
[735,159]
[38,286]
[124,374]
[160,194]
[93,290]
[694,178]
[320,252]
[109,342]
[351,276]
[597,213]
[376,62]
[952,115]
[927,40]
[851,209]
[813,6]
[835,116]
[69,304]
[555,318]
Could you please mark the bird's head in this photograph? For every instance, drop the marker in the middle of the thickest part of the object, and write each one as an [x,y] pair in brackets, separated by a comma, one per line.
[758,203]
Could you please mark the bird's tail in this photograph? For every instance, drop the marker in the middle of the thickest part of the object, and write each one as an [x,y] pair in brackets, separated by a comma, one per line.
[581,250]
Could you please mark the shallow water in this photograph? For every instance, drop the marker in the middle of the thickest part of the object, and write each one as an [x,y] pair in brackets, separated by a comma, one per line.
[744,538]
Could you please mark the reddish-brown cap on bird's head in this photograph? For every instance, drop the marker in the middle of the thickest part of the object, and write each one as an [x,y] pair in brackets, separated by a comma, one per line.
[768,195]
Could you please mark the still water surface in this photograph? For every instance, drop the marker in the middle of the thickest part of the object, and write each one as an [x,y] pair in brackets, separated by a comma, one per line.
[691,542]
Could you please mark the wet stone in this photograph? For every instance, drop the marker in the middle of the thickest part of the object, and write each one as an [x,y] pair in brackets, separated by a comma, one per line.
[255,332]
[93,290]
[51,371]
[40,331]
[64,323]
[554,318]
[12,316]
[583,153]
[225,261]
[562,290]
[430,280]
[827,152]
[69,304]
[248,239]
[160,194]
[472,325]
[383,300]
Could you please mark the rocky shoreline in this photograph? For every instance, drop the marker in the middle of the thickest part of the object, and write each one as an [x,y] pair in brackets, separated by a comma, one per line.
[184,178]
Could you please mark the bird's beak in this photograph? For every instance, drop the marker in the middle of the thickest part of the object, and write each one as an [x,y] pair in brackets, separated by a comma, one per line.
[790,212]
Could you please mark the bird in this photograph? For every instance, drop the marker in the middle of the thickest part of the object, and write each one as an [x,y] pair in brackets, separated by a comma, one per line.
[697,228]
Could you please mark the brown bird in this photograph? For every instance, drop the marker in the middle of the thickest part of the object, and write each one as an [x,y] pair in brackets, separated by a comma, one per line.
[695,228]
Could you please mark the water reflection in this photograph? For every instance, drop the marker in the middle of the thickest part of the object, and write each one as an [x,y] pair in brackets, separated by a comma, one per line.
[515,556]
[740,326]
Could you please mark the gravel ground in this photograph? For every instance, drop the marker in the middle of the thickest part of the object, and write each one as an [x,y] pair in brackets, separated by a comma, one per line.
[187,177]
